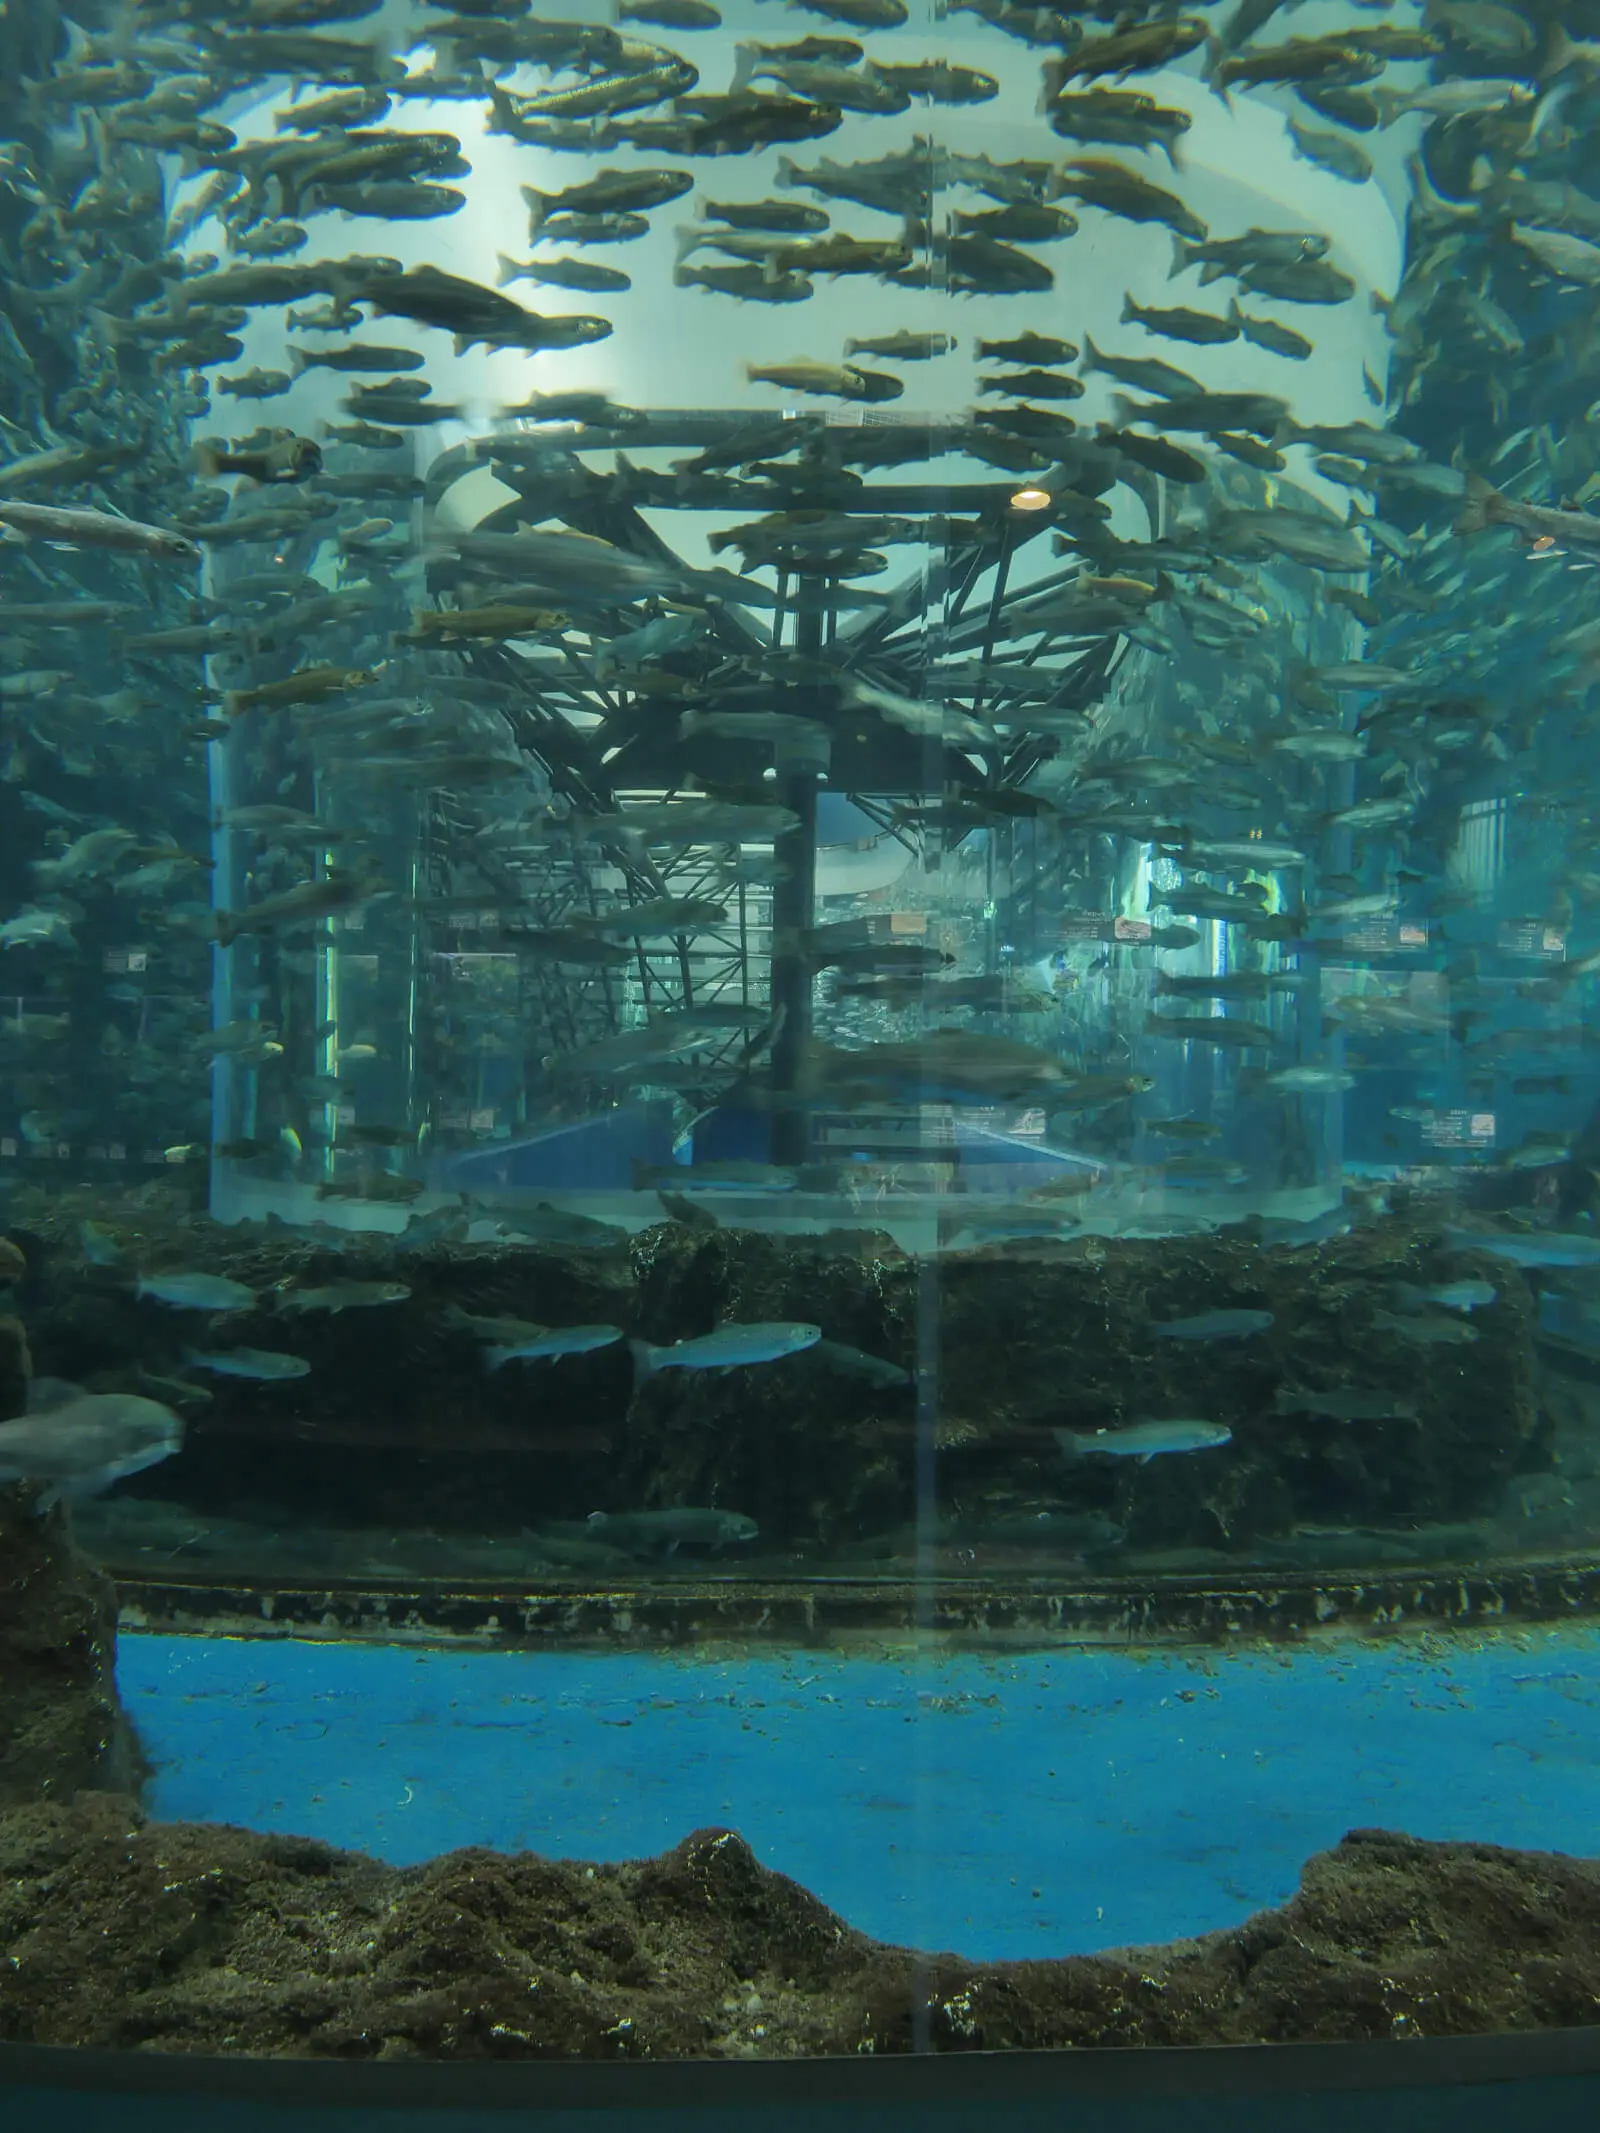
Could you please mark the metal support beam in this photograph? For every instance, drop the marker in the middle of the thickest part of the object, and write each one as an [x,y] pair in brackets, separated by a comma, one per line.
[794,899]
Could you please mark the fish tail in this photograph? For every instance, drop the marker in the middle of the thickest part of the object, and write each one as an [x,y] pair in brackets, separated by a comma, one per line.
[538,206]
[1129,315]
[1092,358]
[1479,509]
[745,60]
[686,238]
[506,270]
[235,702]
[497,1358]
[644,1363]
[788,172]
[1069,1441]
[1055,82]
[1391,103]
[208,456]
[300,362]
[1183,255]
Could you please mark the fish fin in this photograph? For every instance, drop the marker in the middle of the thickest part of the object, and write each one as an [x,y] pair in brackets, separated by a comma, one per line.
[787,175]
[208,453]
[1146,1457]
[1478,510]
[745,61]
[1129,317]
[1182,256]
[234,703]
[537,203]
[497,1358]
[644,1362]
[1069,1442]
[686,238]
[1216,61]
[506,270]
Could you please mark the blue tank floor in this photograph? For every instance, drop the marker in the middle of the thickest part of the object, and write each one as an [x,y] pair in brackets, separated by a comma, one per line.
[1001,1806]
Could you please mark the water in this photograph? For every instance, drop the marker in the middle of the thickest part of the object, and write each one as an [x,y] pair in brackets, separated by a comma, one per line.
[829,837]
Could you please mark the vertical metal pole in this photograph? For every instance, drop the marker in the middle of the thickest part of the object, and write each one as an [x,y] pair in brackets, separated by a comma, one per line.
[794,901]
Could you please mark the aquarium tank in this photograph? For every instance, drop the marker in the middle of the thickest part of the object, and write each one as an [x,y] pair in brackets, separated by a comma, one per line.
[799,1099]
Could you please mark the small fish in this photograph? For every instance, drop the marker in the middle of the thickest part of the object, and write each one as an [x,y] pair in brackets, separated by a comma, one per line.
[562,274]
[67,528]
[1485,506]
[1146,374]
[1035,385]
[551,1342]
[256,384]
[832,380]
[1449,1295]
[1202,328]
[289,459]
[342,1296]
[608,192]
[905,347]
[1357,1403]
[1267,333]
[1031,348]
[1334,152]
[1131,51]
[661,1532]
[1099,181]
[1429,1332]
[37,928]
[83,1445]
[100,1245]
[848,1362]
[267,1365]
[1310,1081]
[1121,118]
[670,14]
[1144,1441]
[730,1347]
[1213,1326]
[789,218]
[196,1292]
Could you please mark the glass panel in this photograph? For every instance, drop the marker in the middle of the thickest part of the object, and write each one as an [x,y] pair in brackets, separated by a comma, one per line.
[798,837]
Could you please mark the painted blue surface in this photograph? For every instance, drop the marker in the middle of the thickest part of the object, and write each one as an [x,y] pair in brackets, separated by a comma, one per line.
[1000,1806]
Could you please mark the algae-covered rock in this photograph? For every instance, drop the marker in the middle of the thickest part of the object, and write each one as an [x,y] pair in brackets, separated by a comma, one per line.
[61,1726]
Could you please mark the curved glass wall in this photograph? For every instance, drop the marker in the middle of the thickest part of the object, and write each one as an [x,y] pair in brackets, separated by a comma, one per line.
[798,846]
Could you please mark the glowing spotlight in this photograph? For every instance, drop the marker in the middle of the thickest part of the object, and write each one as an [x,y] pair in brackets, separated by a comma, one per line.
[1032,500]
